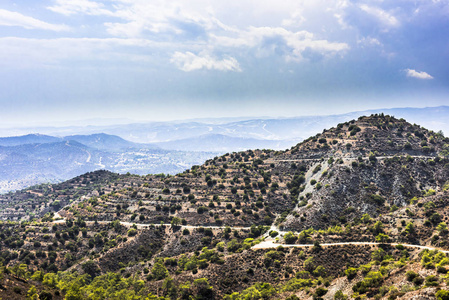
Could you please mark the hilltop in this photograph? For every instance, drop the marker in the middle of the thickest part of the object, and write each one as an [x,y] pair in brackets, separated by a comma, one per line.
[365,187]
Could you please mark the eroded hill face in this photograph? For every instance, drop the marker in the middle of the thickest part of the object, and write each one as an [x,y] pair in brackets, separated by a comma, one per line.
[374,179]
[364,166]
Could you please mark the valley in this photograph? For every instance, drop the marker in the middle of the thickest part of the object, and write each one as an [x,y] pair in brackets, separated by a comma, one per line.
[359,211]
[35,159]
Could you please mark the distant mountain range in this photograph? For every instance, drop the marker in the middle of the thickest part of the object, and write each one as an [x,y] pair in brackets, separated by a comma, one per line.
[35,158]
[99,141]
[59,153]
[28,139]
[106,142]
[264,128]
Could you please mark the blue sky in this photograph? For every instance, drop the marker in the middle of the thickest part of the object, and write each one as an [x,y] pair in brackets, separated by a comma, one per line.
[164,60]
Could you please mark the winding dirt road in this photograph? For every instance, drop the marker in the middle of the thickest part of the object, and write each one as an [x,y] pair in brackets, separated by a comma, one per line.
[270,244]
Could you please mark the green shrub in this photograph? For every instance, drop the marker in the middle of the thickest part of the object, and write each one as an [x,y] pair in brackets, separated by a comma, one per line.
[309,264]
[442,295]
[132,232]
[159,271]
[351,273]
[319,271]
[295,284]
[290,238]
[432,280]
[233,245]
[340,296]
[319,292]
[418,280]
[411,275]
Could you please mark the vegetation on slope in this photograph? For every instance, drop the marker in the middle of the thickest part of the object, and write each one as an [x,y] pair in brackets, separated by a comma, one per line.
[374,180]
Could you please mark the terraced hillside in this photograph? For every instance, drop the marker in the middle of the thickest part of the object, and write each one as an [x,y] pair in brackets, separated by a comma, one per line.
[343,202]
[38,200]
[359,167]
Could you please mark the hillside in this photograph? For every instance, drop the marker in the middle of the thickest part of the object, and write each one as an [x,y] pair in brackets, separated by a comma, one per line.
[34,159]
[107,142]
[360,210]
[28,139]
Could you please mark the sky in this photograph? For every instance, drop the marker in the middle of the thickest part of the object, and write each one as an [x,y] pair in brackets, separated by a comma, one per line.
[163,60]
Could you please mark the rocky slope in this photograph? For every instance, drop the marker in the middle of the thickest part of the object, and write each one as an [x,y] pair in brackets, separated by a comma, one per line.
[375,179]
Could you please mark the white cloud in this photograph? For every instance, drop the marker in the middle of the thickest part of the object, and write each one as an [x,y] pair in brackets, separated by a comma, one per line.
[268,28]
[139,16]
[296,18]
[25,52]
[369,41]
[10,18]
[131,29]
[271,40]
[70,7]
[383,16]
[417,74]
[188,61]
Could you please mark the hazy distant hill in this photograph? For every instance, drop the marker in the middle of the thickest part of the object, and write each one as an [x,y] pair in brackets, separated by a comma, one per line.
[264,128]
[28,139]
[98,141]
[29,164]
[106,142]
[34,159]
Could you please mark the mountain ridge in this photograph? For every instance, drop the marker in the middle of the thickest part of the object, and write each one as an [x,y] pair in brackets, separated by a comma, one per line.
[33,159]
[358,194]
[431,117]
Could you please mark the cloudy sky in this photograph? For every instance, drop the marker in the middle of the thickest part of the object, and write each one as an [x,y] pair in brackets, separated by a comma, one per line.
[163,60]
